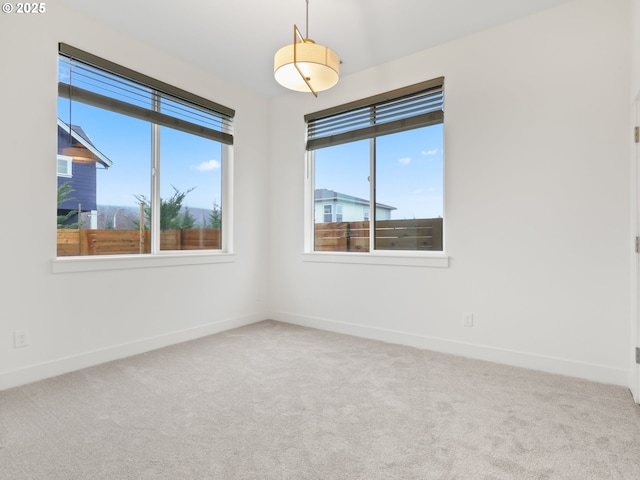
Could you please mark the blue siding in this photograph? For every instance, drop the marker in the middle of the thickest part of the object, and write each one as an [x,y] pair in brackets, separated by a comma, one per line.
[83,179]
[83,182]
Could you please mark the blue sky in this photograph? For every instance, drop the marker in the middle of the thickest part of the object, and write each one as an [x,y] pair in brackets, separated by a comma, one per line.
[187,161]
[409,171]
[409,165]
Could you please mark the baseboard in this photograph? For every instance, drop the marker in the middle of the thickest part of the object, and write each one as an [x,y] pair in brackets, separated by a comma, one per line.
[560,366]
[33,373]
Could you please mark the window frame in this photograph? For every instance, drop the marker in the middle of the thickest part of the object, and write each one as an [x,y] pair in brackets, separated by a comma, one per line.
[413,258]
[159,257]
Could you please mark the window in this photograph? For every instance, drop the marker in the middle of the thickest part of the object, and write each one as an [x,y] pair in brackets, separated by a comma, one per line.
[328,216]
[150,162]
[64,166]
[338,213]
[381,157]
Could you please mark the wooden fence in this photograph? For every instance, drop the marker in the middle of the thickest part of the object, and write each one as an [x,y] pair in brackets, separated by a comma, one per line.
[73,242]
[416,234]
[420,234]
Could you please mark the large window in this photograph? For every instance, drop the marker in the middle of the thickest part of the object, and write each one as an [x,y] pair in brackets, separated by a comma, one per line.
[379,160]
[142,166]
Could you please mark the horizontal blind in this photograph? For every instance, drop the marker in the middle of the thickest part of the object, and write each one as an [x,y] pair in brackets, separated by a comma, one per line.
[85,78]
[411,107]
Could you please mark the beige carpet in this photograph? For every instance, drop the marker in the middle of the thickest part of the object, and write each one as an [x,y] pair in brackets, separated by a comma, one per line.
[275,401]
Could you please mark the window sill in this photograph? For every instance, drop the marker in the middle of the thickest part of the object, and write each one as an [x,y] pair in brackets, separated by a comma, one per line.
[123,262]
[403,259]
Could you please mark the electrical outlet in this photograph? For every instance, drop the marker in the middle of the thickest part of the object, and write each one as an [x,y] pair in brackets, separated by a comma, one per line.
[468,319]
[20,338]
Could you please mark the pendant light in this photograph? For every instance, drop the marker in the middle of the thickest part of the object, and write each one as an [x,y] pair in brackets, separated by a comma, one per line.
[306,66]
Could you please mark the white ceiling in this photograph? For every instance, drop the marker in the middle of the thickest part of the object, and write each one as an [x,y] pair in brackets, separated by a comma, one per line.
[236,39]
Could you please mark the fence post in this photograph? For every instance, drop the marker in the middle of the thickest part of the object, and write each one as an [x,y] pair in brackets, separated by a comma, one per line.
[141,227]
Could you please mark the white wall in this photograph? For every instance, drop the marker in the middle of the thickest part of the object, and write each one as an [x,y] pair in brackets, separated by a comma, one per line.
[537,201]
[537,207]
[77,319]
[635,53]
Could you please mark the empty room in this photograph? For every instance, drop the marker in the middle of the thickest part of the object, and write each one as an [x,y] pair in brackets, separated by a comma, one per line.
[320,239]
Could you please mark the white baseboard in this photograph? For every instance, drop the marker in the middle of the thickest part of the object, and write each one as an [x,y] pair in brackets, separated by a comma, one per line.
[560,366]
[33,373]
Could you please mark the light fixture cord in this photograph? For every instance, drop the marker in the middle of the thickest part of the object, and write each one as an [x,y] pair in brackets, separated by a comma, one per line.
[307,33]
[70,99]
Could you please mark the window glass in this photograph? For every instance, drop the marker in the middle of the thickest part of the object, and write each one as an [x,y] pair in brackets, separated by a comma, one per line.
[191,191]
[101,209]
[328,215]
[64,166]
[341,180]
[409,190]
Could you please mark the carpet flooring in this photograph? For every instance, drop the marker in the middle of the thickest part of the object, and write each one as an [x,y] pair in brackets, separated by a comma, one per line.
[282,402]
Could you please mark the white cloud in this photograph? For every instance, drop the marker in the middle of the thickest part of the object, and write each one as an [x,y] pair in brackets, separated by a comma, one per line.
[428,153]
[206,166]
[404,161]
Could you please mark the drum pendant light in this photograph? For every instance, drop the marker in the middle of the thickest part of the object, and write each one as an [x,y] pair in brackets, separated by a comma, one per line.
[305,65]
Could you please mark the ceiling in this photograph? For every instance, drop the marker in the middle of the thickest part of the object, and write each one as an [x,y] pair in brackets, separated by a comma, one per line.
[236,40]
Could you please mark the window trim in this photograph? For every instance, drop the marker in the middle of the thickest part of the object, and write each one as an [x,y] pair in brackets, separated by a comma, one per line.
[123,262]
[399,259]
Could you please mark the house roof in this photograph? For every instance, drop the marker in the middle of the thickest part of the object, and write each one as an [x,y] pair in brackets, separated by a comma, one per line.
[79,135]
[324,194]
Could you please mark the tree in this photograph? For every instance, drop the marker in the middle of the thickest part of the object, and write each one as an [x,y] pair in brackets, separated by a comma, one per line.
[170,217]
[64,195]
[188,220]
[215,217]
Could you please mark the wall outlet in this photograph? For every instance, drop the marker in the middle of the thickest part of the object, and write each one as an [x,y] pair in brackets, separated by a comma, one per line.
[467,319]
[20,338]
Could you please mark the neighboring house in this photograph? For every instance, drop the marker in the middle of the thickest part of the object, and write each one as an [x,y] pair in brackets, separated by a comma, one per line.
[333,206]
[78,160]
